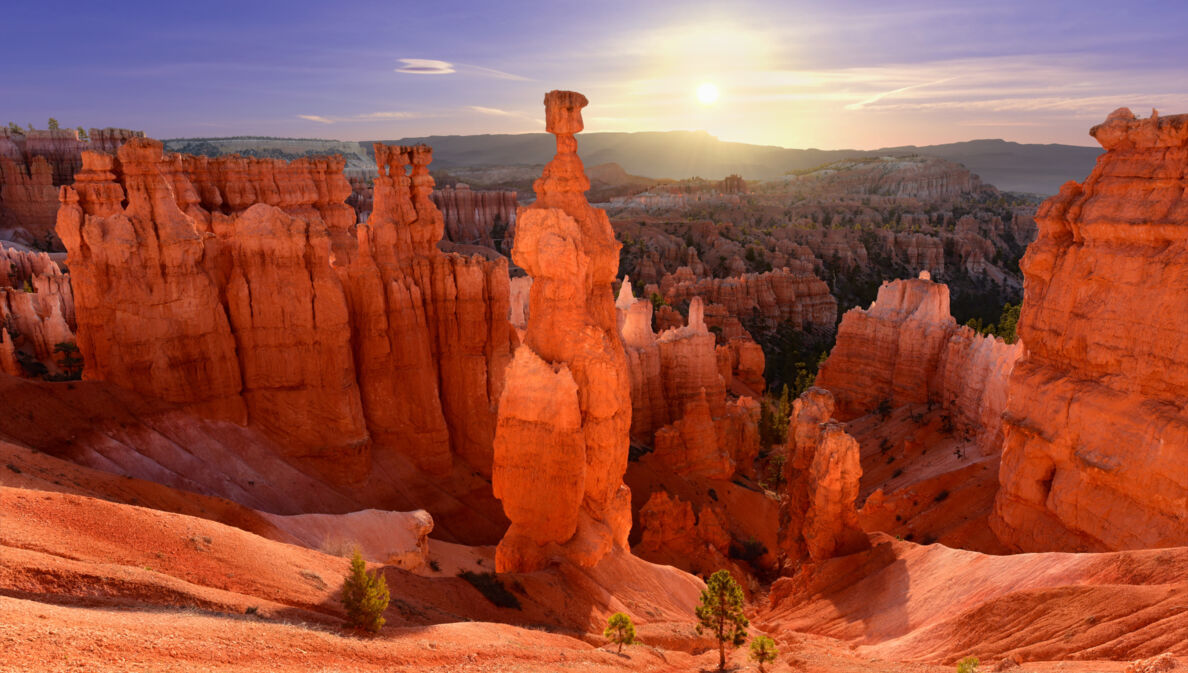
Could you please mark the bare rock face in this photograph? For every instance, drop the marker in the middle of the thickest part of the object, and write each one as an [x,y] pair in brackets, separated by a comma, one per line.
[907,349]
[477,216]
[242,289]
[572,360]
[1096,436]
[818,514]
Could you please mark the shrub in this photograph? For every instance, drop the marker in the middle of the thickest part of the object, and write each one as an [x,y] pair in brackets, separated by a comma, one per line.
[490,587]
[619,629]
[69,361]
[748,550]
[721,613]
[365,596]
[968,665]
[763,651]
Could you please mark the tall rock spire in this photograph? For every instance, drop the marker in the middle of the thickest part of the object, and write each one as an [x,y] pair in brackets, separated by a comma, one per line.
[562,432]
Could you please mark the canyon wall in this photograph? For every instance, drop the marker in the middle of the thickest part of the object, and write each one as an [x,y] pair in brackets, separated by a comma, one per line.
[242,290]
[565,414]
[475,216]
[1096,432]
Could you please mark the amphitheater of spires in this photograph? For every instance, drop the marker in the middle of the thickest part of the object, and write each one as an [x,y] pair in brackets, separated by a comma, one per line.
[318,350]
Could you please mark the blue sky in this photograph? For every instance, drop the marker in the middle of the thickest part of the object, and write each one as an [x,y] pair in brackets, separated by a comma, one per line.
[796,74]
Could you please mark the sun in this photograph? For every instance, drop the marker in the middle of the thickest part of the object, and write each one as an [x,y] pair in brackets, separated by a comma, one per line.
[707,93]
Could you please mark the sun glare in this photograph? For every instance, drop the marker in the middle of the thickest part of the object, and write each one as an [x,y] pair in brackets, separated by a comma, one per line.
[707,93]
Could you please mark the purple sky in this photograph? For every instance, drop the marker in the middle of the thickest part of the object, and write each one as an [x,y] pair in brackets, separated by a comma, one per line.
[797,74]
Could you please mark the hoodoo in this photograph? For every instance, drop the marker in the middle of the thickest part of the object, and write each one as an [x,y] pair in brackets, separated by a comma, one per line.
[562,434]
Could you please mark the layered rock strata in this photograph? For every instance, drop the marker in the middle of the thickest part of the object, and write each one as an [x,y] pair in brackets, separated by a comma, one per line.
[476,216]
[564,417]
[1096,432]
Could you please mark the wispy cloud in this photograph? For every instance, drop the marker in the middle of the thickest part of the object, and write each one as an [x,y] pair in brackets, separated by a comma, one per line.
[880,96]
[491,72]
[387,115]
[366,117]
[491,111]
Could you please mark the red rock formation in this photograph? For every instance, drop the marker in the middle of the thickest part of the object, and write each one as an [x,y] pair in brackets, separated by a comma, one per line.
[564,417]
[791,294]
[907,349]
[818,514]
[672,533]
[33,322]
[1096,434]
[245,294]
[33,165]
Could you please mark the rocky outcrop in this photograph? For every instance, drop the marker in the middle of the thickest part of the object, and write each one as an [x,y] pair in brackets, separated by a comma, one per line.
[1096,435]
[907,349]
[791,294]
[818,513]
[245,293]
[565,413]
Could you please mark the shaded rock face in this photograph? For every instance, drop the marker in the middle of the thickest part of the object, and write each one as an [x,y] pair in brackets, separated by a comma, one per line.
[476,216]
[1096,436]
[562,435]
[32,167]
[241,289]
[818,512]
[907,349]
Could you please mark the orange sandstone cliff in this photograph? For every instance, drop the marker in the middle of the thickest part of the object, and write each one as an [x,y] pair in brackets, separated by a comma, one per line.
[1096,433]
[565,413]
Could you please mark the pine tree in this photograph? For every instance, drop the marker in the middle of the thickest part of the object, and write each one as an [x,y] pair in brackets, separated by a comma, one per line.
[365,596]
[721,613]
[53,124]
[763,651]
[619,629]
